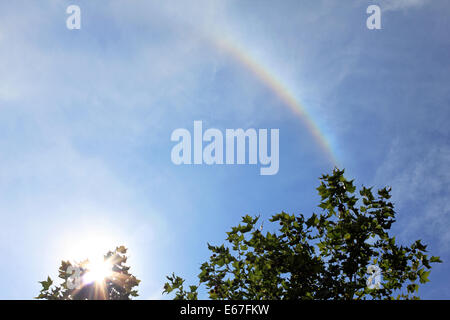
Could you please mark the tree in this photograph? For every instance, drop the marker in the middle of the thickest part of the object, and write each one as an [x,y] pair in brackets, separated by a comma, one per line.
[325,256]
[116,284]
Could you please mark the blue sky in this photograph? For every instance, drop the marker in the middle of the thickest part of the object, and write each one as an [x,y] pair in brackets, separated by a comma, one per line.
[86,117]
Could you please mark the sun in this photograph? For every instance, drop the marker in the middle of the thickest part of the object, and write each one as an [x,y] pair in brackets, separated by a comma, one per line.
[97,271]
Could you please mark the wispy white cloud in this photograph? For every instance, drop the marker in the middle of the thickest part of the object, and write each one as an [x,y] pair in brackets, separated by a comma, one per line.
[395,5]
[420,182]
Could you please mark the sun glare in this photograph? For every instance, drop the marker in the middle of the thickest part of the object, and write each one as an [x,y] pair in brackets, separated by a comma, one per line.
[97,271]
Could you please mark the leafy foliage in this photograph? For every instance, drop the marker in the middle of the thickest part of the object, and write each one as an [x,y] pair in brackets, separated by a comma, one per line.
[117,286]
[323,257]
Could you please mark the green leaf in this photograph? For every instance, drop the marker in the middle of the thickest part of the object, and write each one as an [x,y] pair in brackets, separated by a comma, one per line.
[435,259]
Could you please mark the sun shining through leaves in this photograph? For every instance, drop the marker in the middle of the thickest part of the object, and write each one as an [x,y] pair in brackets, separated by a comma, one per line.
[97,271]
[98,278]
